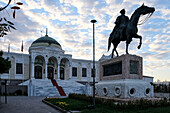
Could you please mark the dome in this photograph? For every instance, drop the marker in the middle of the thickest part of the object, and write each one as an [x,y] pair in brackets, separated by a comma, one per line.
[45,41]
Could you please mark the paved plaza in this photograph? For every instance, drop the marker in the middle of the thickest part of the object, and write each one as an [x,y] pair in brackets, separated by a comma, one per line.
[25,104]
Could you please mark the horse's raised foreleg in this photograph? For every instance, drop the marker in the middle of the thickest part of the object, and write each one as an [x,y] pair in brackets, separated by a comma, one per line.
[140,37]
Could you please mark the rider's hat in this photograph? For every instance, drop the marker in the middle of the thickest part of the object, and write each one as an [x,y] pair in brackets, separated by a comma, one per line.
[122,11]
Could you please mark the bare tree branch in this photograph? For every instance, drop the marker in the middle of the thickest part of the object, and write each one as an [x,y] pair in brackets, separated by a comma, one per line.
[5,6]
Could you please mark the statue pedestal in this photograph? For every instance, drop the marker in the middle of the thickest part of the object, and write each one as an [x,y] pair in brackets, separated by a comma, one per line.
[122,77]
[122,67]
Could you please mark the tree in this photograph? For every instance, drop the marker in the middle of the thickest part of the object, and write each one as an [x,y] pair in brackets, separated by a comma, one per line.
[5,64]
[6,25]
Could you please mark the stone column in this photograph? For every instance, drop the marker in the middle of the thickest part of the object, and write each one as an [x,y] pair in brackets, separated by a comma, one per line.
[46,69]
[32,68]
[79,71]
[89,72]
[70,68]
[70,73]
[12,70]
[58,71]
[97,72]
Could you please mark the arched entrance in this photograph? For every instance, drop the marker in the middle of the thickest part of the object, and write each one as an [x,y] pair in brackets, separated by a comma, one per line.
[38,72]
[52,68]
[50,73]
[64,69]
[39,67]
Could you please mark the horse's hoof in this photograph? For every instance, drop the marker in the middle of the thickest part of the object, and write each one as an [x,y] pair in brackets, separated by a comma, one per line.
[138,47]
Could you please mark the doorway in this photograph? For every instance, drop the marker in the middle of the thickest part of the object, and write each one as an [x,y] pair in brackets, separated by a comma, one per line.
[50,73]
[61,73]
[38,72]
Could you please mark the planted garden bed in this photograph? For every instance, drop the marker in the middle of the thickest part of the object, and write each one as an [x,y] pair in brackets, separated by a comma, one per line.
[77,102]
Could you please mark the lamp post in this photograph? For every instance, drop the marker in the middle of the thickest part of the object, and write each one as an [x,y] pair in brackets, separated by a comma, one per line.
[93,21]
[5,91]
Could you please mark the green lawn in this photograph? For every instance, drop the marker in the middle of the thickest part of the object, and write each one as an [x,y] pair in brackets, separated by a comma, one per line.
[106,109]
[73,104]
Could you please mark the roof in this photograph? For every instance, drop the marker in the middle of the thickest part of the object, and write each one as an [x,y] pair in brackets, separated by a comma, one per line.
[44,41]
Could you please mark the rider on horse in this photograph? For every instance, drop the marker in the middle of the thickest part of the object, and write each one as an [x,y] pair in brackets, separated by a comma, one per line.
[126,29]
[121,23]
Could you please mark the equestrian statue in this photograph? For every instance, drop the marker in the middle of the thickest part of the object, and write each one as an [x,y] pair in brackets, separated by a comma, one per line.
[126,29]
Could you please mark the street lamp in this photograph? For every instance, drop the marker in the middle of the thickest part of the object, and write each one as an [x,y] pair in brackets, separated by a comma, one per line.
[93,21]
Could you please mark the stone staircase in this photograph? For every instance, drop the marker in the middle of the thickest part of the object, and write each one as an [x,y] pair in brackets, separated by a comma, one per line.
[59,88]
[70,86]
[45,87]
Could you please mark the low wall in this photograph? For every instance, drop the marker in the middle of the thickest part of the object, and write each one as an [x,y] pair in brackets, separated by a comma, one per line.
[14,90]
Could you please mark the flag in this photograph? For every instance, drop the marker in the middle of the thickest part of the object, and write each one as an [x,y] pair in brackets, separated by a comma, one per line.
[22,47]
[8,47]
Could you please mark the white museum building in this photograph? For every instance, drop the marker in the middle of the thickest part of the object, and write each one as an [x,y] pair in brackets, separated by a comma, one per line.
[47,60]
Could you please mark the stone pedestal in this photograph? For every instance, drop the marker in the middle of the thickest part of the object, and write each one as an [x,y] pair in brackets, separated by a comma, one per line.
[125,88]
[122,77]
[122,67]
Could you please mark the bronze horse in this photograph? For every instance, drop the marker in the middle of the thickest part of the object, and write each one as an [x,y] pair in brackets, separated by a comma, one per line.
[131,29]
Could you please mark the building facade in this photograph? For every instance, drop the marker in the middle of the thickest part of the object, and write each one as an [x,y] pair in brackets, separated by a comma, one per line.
[47,60]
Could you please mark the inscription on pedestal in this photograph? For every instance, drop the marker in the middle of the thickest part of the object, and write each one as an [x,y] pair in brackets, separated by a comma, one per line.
[112,69]
[122,67]
[134,67]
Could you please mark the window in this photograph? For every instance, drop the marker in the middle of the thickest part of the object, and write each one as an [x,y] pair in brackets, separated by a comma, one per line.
[50,62]
[92,72]
[84,73]
[39,61]
[18,68]
[74,71]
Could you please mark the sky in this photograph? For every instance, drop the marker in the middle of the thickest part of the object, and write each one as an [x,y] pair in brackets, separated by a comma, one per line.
[68,22]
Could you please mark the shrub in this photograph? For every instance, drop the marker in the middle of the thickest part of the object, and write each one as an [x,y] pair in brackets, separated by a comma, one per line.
[139,104]
[80,97]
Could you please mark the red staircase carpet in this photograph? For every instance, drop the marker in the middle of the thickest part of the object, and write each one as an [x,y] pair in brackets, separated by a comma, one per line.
[59,88]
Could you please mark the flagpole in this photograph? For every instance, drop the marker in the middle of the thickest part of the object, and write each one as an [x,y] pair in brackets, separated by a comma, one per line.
[9,59]
[22,48]
[8,48]
[9,77]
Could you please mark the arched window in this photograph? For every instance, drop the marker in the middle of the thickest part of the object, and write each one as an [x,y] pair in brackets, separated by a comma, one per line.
[50,62]
[39,61]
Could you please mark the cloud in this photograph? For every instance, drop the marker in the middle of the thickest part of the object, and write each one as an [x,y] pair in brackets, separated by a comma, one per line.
[68,21]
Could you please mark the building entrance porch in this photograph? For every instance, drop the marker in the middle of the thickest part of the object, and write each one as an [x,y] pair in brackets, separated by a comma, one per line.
[50,68]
